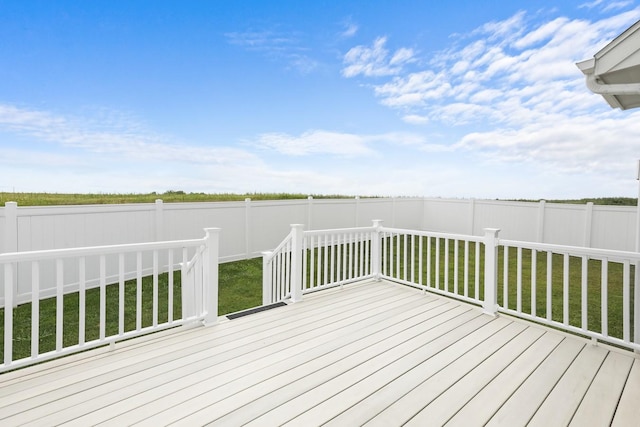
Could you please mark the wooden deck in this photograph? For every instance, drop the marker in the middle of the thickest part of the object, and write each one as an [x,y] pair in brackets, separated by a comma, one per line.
[372,353]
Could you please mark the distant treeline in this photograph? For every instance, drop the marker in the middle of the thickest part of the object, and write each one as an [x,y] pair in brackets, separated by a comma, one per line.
[615,201]
[173,196]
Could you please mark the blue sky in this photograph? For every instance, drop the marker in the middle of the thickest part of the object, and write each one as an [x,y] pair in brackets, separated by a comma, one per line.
[393,98]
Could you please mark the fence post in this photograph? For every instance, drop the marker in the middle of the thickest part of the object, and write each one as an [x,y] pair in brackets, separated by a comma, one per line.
[11,242]
[472,215]
[210,276]
[267,277]
[310,213]
[247,227]
[186,286]
[636,306]
[159,215]
[10,227]
[297,234]
[636,284]
[376,249]
[588,221]
[540,231]
[393,212]
[490,304]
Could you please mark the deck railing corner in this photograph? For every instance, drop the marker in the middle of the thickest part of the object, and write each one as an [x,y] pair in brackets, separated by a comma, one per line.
[210,291]
[376,259]
[490,302]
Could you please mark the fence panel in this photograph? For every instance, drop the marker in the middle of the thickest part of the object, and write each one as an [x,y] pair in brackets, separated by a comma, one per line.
[613,228]
[186,221]
[269,221]
[516,220]
[448,215]
[252,227]
[565,224]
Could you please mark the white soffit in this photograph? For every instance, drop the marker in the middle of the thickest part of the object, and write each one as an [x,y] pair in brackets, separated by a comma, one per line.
[614,72]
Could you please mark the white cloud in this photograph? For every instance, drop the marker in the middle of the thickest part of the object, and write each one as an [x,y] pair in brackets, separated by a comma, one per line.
[518,78]
[500,30]
[497,58]
[350,30]
[572,145]
[608,5]
[261,40]
[414,89]
[340,144]
[280,46]
[544,32]
[374,61]
[416,119]
[119,136]
[315,142]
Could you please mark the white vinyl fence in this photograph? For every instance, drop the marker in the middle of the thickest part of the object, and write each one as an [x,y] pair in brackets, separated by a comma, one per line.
[251,227]
[248,229]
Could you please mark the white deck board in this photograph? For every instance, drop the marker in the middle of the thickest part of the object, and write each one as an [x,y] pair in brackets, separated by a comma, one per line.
[495,377]
[379,399]
[529,395]
[560,404]
[374,372]
[373,352]
[201,356]
[628,411]
[599,403]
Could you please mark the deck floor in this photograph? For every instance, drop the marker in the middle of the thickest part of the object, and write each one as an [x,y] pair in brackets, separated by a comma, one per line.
[372,353]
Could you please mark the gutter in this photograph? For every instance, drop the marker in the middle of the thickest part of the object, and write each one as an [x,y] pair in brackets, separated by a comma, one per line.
[611,89]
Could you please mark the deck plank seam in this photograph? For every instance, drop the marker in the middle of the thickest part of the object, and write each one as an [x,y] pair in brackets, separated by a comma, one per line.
[192,354]
[352,351]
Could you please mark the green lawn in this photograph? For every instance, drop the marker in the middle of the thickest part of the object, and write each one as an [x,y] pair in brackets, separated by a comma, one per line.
[614,283]
[240,287]
[443,276]
[49,199]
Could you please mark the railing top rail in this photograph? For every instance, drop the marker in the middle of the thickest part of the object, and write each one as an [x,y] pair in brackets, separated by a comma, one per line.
[338,231]
[424,233]
[574,250]
[96,250]
[269,255]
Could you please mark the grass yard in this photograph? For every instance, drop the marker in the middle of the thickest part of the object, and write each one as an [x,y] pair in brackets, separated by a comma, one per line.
[240,287]
[51,199]
[173,196]
[447,274]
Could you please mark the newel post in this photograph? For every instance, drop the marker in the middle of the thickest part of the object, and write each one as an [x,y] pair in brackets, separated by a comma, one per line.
[490,304]
[212,239]
[297,235]
[11,243]
[267,277]
[376,249]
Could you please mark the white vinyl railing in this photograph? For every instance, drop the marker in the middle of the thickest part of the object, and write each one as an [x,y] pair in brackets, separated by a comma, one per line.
[592,292]
[327,258]
[195,260]
[276,270]
[447,264]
